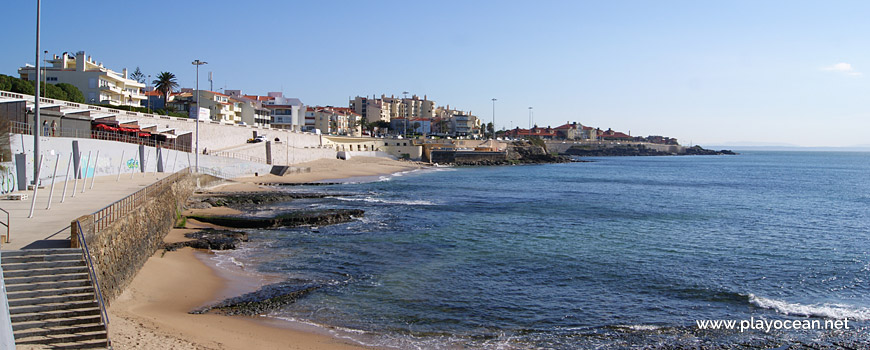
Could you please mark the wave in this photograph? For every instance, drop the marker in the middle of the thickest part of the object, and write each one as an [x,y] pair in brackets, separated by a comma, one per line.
[386,201]
[835,311]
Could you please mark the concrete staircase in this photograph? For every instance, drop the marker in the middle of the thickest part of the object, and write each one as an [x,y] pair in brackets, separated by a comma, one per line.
[52,301]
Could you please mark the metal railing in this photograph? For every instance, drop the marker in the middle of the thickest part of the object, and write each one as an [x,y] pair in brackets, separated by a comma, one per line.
[92,274]
[27,129]
[106,216]
[7,223]
[246,157]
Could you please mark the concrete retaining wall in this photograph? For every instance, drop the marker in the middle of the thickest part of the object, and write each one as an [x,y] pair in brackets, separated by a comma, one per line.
[111,152]
[121,249]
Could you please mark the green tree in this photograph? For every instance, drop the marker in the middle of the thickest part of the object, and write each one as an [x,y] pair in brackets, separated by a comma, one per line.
[23,87]
[73,94]
[490,129]
[138,76]
[165,84]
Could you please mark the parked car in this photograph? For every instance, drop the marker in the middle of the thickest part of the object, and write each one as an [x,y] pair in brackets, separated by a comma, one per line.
[257,139]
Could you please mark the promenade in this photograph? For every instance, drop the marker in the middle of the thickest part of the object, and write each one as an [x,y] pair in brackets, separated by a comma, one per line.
[49,228]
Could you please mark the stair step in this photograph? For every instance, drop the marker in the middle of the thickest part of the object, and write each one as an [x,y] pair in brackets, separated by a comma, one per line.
[35,265]
[30,294]
[27,309]
[40,258]
[31,252]
[27,280]
[65,338]
[93,344]
[45,272]
[44,332]
[55,314]
[51,299]
[47,285]
[56,322]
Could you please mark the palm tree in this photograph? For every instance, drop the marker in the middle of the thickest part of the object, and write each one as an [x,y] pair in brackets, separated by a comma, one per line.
[165,83]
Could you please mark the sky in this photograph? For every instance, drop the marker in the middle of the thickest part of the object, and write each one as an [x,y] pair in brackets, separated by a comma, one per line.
[705,72]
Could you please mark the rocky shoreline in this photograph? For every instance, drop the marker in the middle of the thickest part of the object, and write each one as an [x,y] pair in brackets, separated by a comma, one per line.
[631,150]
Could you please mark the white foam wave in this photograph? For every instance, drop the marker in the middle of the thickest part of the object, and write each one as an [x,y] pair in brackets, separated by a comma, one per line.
[640,327]
[386,201]
[835,311]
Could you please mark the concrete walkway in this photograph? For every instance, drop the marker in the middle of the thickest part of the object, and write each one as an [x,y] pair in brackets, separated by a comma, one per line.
[50,228]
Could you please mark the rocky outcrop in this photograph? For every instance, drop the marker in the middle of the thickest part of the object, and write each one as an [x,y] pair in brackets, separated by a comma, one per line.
[520,152]
[295,218]
[635,150]
[266,299]
[699,151]
[210,239]
[248,199]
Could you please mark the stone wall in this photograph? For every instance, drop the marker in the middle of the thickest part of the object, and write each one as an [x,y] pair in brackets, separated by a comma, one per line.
[121,249]
[466,157]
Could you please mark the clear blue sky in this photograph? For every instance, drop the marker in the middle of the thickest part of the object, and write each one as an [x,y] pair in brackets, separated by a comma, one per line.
[708,72]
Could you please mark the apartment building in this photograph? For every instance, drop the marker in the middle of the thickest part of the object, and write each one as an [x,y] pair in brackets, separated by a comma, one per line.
[220,107]
[386,108]
[335,120]
[252,110]
[98,84]
[286,113]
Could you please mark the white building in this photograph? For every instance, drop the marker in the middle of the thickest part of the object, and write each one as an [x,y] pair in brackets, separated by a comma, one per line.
[98,84]
[287,113]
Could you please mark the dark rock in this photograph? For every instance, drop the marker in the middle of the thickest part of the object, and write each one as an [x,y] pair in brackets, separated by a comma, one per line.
[247,199]
[266,299]
[210,239]
[295,218]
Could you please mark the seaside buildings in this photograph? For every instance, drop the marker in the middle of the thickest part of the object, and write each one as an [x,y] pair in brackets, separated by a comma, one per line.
[333,121]
[387,108]
[98,84]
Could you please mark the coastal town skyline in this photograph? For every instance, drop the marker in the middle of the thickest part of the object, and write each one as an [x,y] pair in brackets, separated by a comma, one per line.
[749,73]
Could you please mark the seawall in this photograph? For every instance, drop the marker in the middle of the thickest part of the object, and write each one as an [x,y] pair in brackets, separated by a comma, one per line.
[119,249]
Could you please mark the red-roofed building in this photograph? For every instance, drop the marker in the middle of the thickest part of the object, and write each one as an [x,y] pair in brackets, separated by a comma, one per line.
[611,135]
[544,133]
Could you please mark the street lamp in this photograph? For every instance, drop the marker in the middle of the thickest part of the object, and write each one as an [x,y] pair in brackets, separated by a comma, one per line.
[44,72]
[530,122]
[36,100]
[407,114]
[493,119]
[149,96]
[197,63]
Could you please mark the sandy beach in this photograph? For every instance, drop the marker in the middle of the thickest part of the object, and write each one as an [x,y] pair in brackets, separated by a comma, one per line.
[152,312]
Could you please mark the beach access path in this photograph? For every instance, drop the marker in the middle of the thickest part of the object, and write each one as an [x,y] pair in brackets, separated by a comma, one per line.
[49,228]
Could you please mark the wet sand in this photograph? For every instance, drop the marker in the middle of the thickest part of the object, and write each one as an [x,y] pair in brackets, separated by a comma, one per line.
[152,312]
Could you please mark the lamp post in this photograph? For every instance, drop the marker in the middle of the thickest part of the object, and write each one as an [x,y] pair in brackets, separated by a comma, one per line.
[44,83]
[149,96]
[407,114]
[36,100]
[493,119]
[197,63]
[530,122]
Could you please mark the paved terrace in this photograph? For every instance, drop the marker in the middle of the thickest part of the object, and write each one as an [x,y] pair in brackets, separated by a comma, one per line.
[50,228]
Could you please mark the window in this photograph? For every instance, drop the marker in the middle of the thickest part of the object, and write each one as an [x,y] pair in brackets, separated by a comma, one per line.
[51,79]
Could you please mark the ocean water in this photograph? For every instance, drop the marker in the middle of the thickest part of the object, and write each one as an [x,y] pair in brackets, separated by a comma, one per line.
[622,252]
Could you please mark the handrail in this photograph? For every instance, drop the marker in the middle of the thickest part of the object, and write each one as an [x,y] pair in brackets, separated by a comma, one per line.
[108,214]
[7,223]
[92,274]
[16,127]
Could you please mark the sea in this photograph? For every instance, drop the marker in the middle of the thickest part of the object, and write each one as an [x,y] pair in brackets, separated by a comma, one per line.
[615,253]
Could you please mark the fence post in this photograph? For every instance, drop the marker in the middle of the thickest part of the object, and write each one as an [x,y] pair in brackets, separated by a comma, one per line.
[85,176]
[66,178]
[97,159]
[78,166]
[51,191]
[120,166]
[35,187]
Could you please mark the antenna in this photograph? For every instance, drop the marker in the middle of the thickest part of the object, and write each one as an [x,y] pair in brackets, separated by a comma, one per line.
[210,82]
